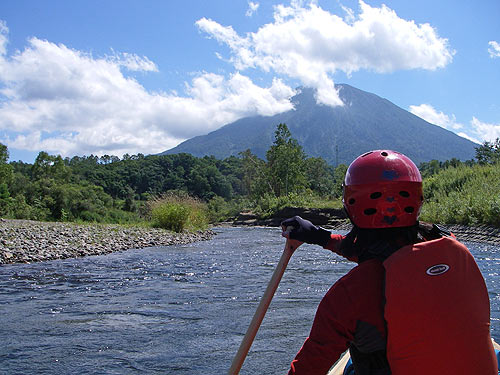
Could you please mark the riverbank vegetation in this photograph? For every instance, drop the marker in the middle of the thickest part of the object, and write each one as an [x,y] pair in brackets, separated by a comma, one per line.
[183,192]
[178,212]
[463,195]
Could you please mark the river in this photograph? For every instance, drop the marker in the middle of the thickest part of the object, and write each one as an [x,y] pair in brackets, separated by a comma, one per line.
[173,310]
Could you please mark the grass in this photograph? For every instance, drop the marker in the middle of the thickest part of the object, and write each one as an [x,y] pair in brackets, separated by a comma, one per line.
[178,213]
[463,195]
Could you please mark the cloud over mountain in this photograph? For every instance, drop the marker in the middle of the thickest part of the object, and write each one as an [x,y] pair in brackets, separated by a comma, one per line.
[68,102]
[478,131]
[310,44]
[337,134]
[71,102]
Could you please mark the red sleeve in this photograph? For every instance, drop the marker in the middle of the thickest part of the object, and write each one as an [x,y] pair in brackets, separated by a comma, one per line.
[334,246]
[330,335]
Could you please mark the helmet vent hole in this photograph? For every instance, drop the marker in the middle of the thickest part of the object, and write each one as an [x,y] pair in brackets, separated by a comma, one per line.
[384,153]
[375,195]
[368,153]
[370,211]
[409,209]
[404,194]
[352,201]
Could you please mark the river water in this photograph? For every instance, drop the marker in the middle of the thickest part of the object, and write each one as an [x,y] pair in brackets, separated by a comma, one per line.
[173,310]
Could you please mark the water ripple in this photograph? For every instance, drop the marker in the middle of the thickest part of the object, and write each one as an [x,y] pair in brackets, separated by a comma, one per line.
[179,310]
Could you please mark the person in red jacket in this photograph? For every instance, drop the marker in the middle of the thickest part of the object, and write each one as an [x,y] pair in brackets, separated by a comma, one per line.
[416,303]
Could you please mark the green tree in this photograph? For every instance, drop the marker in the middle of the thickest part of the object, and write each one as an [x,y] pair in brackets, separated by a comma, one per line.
[254,179]
[320,176]
[5,168]
[4,154]
[488,152]
[130,203]
[5,179]
[50,166]
[338,178]
[430,168]
[285,163]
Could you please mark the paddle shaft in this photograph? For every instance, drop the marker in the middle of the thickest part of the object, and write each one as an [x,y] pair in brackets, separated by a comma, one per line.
[247,341]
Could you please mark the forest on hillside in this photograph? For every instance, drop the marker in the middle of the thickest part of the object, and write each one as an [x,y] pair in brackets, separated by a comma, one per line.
[109,189]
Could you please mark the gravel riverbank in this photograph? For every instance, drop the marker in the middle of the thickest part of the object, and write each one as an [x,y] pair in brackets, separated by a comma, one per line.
[25,241]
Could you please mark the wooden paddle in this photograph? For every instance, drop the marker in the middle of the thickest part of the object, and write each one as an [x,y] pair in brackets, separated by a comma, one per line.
[290,247]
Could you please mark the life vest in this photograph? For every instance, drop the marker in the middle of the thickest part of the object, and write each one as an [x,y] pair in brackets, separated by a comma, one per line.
[437,311]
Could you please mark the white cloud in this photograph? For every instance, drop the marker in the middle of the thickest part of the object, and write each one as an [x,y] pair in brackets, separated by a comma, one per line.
[133,62]
[4,32]
[470,138]
[494,49]
[476,131]
[349,17]
[485,131]
[252,8]
[310,44]
[68,102]
[429,114]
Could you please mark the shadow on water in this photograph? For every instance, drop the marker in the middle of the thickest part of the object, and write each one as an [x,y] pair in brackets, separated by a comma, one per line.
[172,310]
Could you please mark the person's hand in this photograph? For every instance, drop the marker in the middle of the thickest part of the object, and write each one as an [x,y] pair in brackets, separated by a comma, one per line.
[297,228]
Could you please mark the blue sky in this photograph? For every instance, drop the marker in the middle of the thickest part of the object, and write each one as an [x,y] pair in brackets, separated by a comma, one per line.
[110,77]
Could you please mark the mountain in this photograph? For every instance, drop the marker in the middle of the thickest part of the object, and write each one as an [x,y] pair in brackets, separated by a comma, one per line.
[337,134]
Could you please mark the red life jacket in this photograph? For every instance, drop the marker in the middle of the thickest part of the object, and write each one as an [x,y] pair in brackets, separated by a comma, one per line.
[437,311]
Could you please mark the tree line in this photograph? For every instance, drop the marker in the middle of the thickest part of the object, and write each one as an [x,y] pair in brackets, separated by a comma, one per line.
[110,189]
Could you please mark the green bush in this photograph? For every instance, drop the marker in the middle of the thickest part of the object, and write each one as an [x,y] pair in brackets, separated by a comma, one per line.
[171,216]
[91,216]
[463,195]
[19,209]
[220,210]
[118,216]
[178,213]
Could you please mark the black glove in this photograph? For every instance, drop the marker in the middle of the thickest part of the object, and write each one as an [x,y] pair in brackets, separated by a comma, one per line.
[305,231]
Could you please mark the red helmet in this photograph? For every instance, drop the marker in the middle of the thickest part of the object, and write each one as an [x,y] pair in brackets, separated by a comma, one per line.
[383,189]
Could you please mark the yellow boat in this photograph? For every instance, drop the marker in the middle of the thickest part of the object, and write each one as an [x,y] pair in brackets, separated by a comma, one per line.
[338,369]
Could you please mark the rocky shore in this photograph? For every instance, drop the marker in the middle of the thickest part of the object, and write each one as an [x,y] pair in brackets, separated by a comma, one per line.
[24,241]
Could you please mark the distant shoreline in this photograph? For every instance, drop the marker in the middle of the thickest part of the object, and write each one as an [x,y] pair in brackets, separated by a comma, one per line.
[480,233]
[26,241]
[335,219]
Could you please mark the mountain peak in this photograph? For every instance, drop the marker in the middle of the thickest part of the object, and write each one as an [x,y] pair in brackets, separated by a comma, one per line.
[338,134]
[304,96]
